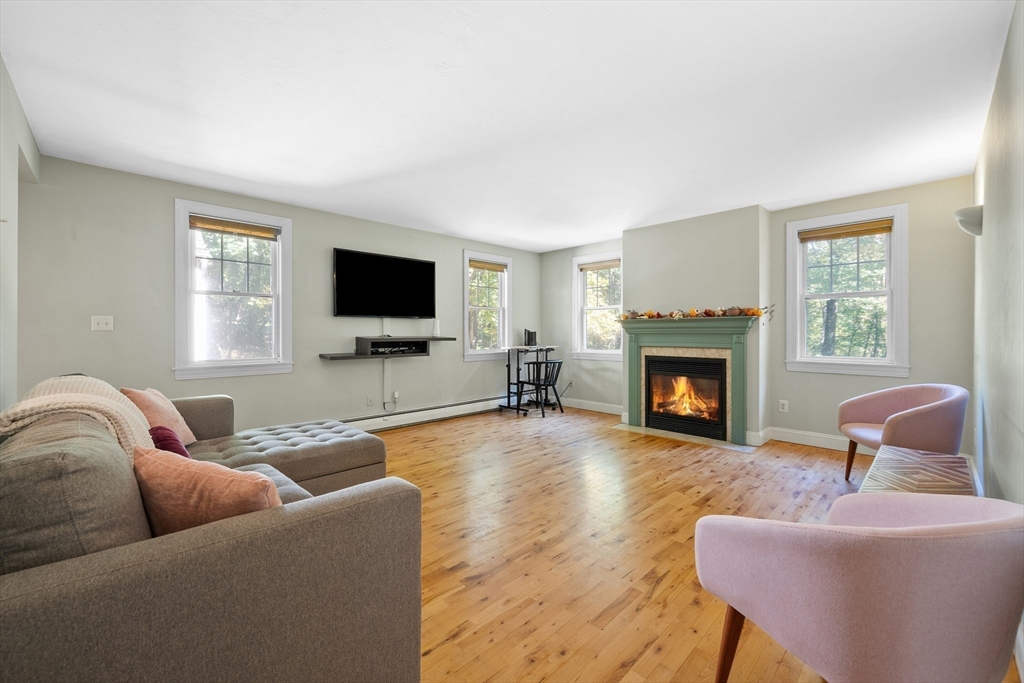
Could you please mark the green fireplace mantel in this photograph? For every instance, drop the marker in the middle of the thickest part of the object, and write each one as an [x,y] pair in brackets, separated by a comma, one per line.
[729,332]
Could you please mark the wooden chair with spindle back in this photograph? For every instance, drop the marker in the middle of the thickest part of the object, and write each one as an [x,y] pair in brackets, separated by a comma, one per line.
[541,375]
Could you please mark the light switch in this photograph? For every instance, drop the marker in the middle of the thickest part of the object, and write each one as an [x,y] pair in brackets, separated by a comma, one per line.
[103,323]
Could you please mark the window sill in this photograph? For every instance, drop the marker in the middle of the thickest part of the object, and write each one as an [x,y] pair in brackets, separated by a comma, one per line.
[474,357]
[232,370]
[849,367]
[597,355]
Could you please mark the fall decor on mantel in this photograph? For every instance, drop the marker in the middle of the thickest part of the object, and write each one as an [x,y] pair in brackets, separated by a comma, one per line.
[678,314]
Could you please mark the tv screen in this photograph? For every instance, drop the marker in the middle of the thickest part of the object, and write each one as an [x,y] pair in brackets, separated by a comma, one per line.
[382,286]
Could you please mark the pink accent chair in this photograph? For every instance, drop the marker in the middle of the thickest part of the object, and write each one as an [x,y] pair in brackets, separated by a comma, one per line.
[893,587]
[925,417]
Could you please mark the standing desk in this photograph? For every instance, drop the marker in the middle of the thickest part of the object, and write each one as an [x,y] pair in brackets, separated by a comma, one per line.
[518,352]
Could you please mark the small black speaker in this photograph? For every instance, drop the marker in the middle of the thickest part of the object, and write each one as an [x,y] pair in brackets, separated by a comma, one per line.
[529,338]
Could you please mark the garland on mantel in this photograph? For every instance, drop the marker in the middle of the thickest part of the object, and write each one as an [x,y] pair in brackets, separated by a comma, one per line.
[706,313]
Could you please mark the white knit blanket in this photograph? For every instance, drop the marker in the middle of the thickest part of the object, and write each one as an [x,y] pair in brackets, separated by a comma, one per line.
[86,396]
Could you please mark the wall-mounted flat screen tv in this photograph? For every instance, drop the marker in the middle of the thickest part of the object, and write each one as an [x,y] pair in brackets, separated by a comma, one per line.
[380,286]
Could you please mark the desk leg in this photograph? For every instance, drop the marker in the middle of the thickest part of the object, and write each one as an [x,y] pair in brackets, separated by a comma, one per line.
[508,385]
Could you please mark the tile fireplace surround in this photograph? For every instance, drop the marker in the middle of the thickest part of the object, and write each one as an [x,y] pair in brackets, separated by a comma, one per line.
[701,338]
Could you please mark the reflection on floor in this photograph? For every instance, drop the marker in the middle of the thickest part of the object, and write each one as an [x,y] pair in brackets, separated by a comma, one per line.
[561,548]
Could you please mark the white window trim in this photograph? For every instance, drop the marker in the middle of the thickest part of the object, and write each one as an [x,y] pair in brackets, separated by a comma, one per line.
[898,363]
[578,351]
[183,369]
[505,323]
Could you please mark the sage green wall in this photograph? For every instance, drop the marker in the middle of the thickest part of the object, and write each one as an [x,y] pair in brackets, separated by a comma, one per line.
[941,263]
[100,242]
[711,261]
[19,161]
[593,380]
[999,278]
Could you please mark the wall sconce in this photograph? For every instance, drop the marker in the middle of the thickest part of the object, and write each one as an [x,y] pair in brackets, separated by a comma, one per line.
[970,219]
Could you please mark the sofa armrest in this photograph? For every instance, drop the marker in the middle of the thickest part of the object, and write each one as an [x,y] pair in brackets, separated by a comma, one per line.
[209,417]
[321,589]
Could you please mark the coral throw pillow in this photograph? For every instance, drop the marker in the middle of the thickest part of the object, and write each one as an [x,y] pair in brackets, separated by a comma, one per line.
[160,412]
[180,493]
[165,439]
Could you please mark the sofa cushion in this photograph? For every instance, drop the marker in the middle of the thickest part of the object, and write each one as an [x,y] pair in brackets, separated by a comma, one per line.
[66,489]
[300,451]
[286,488]
[179,493]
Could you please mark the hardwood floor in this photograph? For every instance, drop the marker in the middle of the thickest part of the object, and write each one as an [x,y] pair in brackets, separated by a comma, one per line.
[561,549]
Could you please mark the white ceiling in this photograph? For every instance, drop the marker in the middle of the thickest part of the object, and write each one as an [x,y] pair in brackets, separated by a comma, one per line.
[533,125]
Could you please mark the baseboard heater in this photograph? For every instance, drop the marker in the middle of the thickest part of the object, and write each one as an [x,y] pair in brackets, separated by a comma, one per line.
[419,410]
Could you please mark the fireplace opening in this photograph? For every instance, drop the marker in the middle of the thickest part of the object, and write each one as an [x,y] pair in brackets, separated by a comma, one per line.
[687,395]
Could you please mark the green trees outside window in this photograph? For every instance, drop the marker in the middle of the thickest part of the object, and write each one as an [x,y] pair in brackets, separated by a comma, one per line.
[485,307]
[602,307]
[847,297]
[233,297]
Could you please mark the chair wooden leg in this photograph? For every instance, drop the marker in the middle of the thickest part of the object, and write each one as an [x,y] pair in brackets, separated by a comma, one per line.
[730,640]
[850,452]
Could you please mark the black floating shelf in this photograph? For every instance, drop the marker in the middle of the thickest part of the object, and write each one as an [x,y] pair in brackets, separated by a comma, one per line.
[370,348]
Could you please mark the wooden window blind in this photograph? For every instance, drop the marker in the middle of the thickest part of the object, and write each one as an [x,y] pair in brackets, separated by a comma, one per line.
[836,232]
[601,265]
[487,265]
[263,232]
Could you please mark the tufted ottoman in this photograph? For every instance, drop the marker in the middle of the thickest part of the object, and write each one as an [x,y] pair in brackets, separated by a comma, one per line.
[320,457]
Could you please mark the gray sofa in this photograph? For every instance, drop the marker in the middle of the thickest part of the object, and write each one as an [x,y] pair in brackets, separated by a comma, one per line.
[323,588]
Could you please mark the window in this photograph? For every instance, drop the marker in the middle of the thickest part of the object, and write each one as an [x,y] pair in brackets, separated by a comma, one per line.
[488,285]
[597,306]
[847,293]
[232,292]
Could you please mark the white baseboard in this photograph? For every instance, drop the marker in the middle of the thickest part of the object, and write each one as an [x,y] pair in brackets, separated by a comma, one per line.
[375,424]
[759,438]
[596,406]
[840,443]
[816,439]
[836,443]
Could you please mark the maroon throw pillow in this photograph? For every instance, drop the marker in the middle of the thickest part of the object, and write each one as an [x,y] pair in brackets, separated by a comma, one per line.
[166,439]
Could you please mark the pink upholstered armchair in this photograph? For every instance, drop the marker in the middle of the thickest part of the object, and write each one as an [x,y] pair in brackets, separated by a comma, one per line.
[926,417]
[893,587]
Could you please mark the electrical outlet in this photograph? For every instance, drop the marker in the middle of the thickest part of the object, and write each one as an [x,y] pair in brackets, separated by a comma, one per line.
[394,394]
[103,323]
[369,401]
[783,406]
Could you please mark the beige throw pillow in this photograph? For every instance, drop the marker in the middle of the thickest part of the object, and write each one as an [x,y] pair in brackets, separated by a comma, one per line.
[160,412]
[179,493]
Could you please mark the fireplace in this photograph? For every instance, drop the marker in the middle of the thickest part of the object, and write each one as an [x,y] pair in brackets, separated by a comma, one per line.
[687,395]
[722,338]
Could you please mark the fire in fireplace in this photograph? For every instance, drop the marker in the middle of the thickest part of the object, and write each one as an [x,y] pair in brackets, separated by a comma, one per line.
[687,395]
[684,396]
